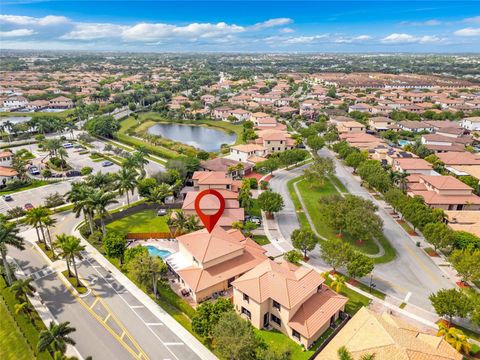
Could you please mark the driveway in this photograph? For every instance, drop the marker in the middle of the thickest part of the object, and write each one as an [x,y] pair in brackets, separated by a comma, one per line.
[411,277]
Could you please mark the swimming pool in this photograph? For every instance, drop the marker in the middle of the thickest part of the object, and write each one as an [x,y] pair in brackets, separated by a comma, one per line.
[154,251]
[402,143]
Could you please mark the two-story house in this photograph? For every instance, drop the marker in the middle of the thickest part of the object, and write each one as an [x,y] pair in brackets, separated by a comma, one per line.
[443,192]
[207,263]
[249,153]
[413,166]
[61,102]
[289,298]
[275,140]
[218,180]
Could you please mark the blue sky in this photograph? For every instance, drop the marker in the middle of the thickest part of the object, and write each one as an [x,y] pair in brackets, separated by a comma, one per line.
[232,26]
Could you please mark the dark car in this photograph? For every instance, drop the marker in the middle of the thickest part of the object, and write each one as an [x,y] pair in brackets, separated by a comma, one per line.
[29,206]
[73,173]
[7,197]
[107,163]
[33,170]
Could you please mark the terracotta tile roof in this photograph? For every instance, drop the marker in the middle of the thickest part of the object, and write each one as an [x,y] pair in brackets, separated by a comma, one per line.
[211,202]
[7,172]
[314,313]
[412,164]
[387,337]
[222,164]
[205,246]
[432,198]
[5,154]
[285,283]
[248,147]
[199,279]
[213,178]
[459,158]
[445,182]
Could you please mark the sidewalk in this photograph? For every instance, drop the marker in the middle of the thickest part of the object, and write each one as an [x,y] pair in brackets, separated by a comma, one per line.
[38,304]
[149,303]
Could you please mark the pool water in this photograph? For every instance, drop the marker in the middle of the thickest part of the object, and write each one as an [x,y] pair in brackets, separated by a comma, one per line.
[402,143]
[154,251]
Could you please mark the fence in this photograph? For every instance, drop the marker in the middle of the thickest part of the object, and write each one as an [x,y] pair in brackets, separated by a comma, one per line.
[153,235]
[325,342]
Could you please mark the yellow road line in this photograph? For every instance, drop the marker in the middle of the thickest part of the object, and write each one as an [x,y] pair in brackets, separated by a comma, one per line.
[427,270]
[139,353]
[94,303]
[106,319]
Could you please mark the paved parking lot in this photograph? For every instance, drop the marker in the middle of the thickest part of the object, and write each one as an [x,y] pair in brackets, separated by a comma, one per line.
[35,196]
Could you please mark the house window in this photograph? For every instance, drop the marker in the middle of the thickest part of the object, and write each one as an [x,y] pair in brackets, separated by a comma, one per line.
[276,320]
[319,288]
[246,298]
[276,305]
[296,334]
[246,312]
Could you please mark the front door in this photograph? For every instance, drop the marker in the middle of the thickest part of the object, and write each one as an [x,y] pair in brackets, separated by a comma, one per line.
[266,320]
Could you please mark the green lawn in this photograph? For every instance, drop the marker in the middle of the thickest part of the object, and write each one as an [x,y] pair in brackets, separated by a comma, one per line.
[29,329]
[312,197]
[261,239]
[280,342]
[33,185]
[355,299]
[302,218]
[143,221]
[339,184]
[12,344]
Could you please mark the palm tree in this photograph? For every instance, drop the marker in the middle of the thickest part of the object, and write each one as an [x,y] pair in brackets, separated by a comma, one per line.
[23,288]
[344,354]
[455,337]
[400,179]
[99,201]
[100,180]
[70,248]
[9,236]
[159,193]
[78,195]
[126,181]
[34,217]
[23,307]
[48,222]
[56,337]
[338,283]
[62,153]
[70,126]
[178,220]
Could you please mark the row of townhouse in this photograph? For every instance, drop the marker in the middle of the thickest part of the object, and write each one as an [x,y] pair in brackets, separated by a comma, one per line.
[19,102]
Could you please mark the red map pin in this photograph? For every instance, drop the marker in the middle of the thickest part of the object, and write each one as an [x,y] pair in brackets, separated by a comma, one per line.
[209,221]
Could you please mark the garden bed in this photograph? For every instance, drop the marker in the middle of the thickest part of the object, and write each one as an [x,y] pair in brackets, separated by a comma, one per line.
[73,281]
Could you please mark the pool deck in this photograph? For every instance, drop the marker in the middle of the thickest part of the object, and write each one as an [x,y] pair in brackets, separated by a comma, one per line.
[161,244]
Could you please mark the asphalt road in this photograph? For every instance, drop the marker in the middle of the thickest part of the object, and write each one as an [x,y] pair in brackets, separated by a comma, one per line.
[111,322]
[65,307]
[412,276]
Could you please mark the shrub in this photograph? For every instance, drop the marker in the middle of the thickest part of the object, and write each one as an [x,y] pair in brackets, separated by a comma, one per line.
[86,170]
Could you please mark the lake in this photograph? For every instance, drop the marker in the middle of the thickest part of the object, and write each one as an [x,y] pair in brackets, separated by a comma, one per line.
[204,138]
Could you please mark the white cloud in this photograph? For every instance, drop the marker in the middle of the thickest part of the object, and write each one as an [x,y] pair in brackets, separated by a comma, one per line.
[272,23]
[92,31]
[468,32]
[432,22]
[28,20]
[362,38]
[156,32]
[472,20]
[409,39]
[287,30]
[17,33]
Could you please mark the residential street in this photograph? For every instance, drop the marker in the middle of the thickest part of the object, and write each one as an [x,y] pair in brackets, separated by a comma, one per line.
[123,326]
[411,277]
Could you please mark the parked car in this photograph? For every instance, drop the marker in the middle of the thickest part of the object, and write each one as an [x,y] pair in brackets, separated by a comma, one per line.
[7,197]
[72,173]
[29,206]
[57,175]
[33,170]
[256,220]
[107,163]
[162,212]
[68,145]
